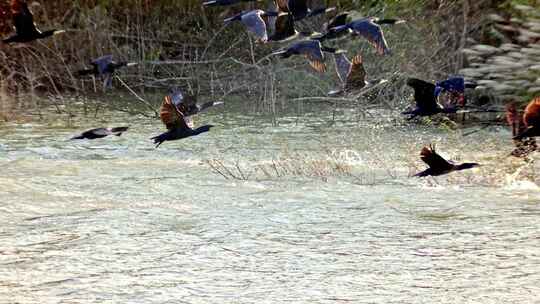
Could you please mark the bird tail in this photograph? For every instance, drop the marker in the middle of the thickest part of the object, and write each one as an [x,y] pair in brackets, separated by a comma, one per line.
[161,138]
[57,32]
[202,129]
[390,21]
[335,93]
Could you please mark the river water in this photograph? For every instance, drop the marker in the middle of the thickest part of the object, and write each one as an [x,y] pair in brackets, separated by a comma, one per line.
[317,213]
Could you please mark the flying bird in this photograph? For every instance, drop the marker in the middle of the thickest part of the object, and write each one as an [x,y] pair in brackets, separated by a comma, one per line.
[438,165]
[531,120]
[514,118]
[426,103]
[254,22]
[224,2]
[104,67]
[284,29]
[299,8]
[26,30]
[351,73]
[369,28]
[100,133]
[311,49]
[174,119]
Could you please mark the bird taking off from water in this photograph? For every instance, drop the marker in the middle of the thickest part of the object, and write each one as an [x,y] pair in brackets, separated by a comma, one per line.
[224,2]
[531,119]
[438,165]
[26,30]
[100,133]
[514,118]
[173,113]
[299,8]
[426,102]
[104,67]
[311,49]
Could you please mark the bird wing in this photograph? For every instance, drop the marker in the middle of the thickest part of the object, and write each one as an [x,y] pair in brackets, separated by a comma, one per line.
[434,160]
[171,117]
[357,74]
[102,63]
[255,24]
[338,20]
[423,93]
[283,5]
[284,27]
[298,6]
[531,118]
[343,66]
[373,33]
[312,50]
[23,18]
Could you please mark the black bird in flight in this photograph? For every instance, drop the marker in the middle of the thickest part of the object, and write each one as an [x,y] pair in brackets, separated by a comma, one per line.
[104,67]
[173,113]
[438,165]
[26,30]
[311,49]
[426,101]
[100,133]
[299,8]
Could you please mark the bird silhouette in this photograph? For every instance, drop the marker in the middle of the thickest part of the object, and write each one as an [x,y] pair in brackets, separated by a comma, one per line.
[426,102]
[531,120]
[104,67]
[514,118]
[299,8]
[438,165]
[174,119]
[26,30]
[311,49]
[224,2]
[100,133]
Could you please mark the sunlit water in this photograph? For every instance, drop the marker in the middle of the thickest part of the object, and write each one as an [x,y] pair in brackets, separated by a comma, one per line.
[117,221]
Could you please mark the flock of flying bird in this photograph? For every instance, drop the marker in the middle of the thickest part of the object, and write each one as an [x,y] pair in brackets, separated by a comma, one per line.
[278,25]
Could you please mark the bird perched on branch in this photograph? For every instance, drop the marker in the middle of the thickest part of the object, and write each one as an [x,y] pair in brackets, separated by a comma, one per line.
[225,2]
[369,28]
[426,102]
[173,113]
[514,118]
[104,67]
[311,49]
[254,22]
[438,165]
[299,8]
[531,120]
[26,30]
[100,133]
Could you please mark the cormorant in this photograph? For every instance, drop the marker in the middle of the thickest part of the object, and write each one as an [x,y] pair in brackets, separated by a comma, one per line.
[100,133]
[438,165]
[426,102]
[26,30]
[299,8]
[311,49]
[104,67]
[175,120]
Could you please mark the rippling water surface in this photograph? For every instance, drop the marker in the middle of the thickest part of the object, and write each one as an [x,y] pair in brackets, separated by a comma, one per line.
[117,221]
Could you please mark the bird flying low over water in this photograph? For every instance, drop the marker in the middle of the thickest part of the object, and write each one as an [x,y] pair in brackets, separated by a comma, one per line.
[514,118]
[369,28]
[438,165]
[100,133]
[531,119]
[426,102]
[311,49]
[173,117]
[351,73]
[104,67]
[26,30]
[254,22]
[299,8]
[224,2]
